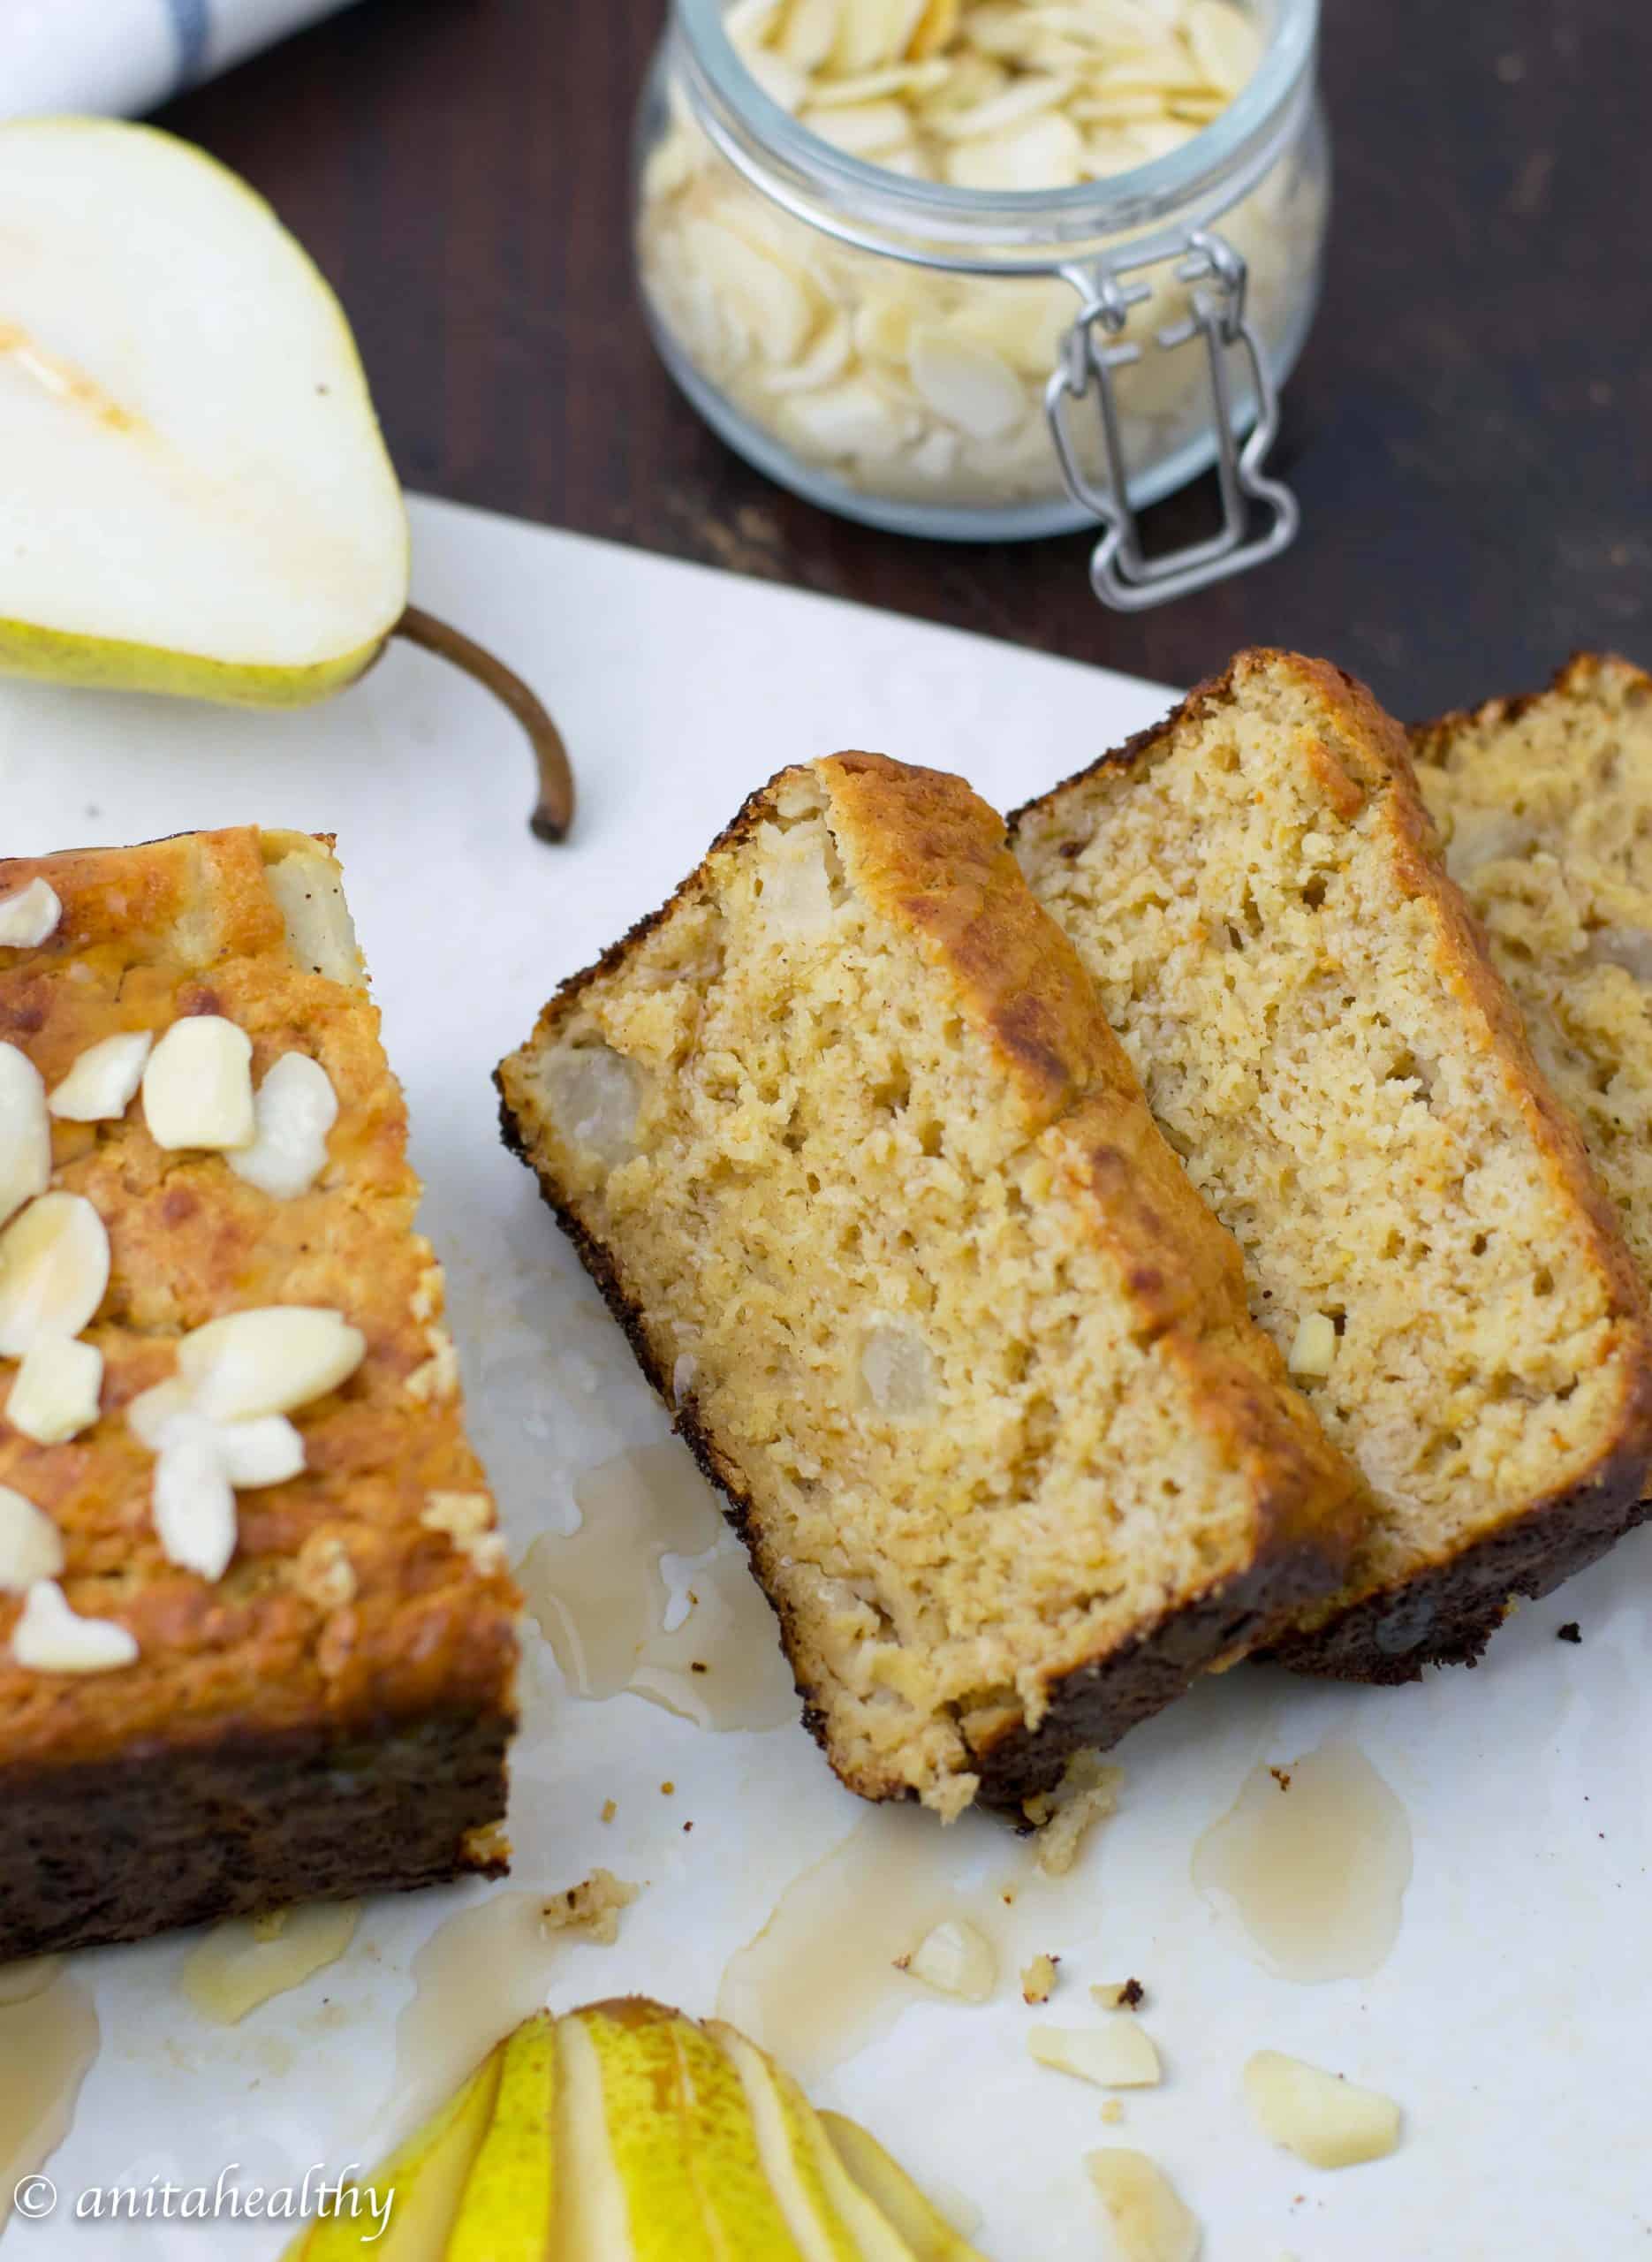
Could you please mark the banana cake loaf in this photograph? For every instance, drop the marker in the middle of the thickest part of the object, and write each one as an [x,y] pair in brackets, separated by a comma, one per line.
[1545,805]
[1255,888]
[843,1137]
[257,1636]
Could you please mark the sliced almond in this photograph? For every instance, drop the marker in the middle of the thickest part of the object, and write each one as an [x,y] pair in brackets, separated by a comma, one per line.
[809,32]
[294,1108]
[25,1132]
[749,21]
[54,1268]
[1149,2221]
[1046,153]
[56,1393]
[1038,1980]
[31,1545]
[1225,43]
[860,129]
[849,418]
[872,86]
[100,1085]
[266,1451]
[198,1086]
[955,1959]
[872,31]
[826,359]
[28,915]
[934,28]
[1322,2119]
[772,302]
[967,384]
[1022,99]
[267,1361]
[779,79]
[1118,2055]
[49,1637]
[193,1506]
[154,1412]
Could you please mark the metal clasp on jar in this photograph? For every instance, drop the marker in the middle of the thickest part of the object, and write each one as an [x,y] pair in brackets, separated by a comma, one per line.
[1122,574]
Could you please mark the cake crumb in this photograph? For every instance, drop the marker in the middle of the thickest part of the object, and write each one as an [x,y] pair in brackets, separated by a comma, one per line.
[610,1808]
[667,1790]
[1282,1776]
[1087,1794]
[1038,1980]
[591,1908]
[1113,2111]
[1120,1995]
[1569,1632]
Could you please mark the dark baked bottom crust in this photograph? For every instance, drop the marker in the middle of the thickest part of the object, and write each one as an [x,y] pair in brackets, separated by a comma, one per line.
[116,1849]
[1446,1615]
[1093,1705]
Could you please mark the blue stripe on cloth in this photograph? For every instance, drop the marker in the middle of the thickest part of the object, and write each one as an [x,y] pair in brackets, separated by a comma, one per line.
[192,23]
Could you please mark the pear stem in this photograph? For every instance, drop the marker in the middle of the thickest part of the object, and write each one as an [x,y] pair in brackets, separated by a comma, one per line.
[553,813]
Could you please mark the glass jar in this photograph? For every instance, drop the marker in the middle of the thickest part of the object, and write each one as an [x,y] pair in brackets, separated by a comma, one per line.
[979,363]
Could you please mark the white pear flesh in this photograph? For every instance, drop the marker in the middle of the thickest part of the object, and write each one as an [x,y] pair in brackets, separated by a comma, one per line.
[198,499]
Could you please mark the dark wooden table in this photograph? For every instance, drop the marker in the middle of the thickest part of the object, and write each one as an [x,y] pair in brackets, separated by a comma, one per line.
[1468,431]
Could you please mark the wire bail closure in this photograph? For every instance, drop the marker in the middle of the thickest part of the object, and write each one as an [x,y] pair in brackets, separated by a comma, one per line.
[1122,575]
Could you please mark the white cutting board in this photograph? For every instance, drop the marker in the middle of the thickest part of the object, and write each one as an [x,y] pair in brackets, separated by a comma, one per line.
[1510,2018]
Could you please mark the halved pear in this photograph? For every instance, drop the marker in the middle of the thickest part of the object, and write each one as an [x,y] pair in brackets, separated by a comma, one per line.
[197,496]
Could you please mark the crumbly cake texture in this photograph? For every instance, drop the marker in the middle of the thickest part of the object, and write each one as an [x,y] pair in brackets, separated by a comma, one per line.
[844,1138]
[1544,805]
[1257,891]
[332,1716]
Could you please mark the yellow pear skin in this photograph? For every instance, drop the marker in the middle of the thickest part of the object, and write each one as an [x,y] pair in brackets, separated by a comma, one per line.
[643,2103]
[426,2176]
[724,2157]
[90,664]
[507,2212]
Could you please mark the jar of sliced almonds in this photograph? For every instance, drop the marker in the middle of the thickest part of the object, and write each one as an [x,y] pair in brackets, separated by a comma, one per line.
[992,269]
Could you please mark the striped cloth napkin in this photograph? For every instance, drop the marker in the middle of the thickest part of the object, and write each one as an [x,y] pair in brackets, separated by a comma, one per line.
[125,57]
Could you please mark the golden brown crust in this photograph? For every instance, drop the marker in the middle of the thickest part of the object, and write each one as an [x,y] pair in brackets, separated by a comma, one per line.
[929,856]
[1449,1611]
[149,935]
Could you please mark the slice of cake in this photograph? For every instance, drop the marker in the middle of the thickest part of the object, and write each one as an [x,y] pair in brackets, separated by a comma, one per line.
[1256,890]
[1545,805]
[256,1632]
[843,1137]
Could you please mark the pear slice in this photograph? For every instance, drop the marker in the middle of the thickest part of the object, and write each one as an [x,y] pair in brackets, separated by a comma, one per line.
[625,2132]
[641,2073]
[507,2212]
[198,499]
[929,2237]
[723,2157]
[830,2217]
[422,2181]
